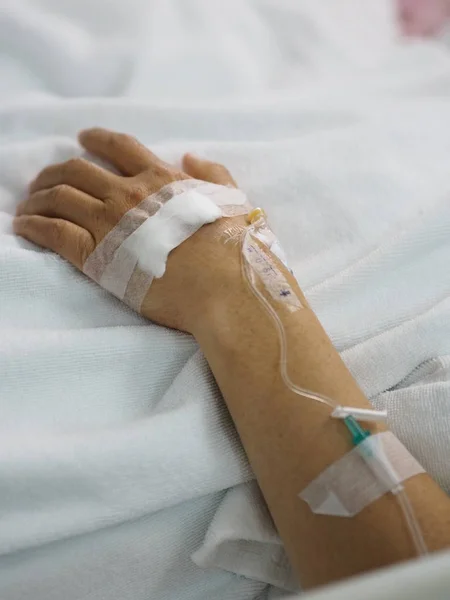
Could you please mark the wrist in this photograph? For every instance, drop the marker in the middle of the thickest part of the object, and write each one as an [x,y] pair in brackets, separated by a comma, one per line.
[196,291]
[220,304]
[231,304]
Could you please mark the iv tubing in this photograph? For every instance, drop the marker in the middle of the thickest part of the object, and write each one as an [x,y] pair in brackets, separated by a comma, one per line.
[248,275]
[411,522]
[401,495]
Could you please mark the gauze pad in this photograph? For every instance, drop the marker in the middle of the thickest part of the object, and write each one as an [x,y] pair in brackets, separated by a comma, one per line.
[136,249]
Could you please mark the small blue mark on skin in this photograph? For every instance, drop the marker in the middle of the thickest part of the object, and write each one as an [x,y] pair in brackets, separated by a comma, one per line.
[285,293]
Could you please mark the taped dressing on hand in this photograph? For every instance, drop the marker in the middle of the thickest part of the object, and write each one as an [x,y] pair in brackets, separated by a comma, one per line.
[136,249]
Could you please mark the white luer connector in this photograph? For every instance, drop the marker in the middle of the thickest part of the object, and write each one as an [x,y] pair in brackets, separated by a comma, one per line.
[360,414]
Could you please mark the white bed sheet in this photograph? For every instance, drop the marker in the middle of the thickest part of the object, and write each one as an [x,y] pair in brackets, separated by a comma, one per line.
[117,458]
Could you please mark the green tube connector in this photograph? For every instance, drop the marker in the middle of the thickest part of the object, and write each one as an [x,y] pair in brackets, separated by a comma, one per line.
[358,433]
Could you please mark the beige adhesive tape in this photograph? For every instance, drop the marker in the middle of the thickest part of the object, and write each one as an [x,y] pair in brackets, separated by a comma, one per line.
[349,485]
[267,270]
[122,261]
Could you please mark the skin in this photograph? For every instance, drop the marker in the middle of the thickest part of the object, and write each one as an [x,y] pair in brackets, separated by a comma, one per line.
[289,439]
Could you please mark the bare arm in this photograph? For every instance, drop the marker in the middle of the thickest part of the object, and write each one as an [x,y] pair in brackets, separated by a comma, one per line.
[289,440]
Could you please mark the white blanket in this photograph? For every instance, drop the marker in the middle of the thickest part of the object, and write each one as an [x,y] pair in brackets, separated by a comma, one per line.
[118,462]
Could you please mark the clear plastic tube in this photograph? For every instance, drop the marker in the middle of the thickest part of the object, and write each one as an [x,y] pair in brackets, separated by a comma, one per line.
[411,522]
[249,276]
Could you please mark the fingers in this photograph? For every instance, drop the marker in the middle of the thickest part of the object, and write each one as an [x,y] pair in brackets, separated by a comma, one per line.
[207,170]
[80,174]
[63,202]
[67,239]
[123,151]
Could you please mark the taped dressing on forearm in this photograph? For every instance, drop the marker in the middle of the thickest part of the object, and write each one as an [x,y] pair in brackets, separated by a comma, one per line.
[136,249]
[349,485]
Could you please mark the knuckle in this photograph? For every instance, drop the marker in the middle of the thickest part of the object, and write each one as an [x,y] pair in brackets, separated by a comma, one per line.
[73,163]
[160,171]
[136,193]
[73,166]
[57,231]
[178,176]
[59,192]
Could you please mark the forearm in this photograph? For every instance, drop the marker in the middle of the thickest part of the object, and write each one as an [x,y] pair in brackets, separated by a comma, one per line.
[290,440]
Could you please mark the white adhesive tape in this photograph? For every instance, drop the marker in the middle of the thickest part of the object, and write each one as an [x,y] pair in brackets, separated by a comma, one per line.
[349,485]
[174,223]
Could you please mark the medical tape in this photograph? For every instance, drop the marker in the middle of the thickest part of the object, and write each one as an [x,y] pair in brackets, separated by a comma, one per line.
[265,267]
[136,249]
[349,485]
[264,234]
[257,237]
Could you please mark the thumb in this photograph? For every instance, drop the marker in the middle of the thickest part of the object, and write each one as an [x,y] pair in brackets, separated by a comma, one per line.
[208,171]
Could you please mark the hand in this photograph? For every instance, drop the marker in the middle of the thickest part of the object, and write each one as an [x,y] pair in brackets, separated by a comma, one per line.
[71,207]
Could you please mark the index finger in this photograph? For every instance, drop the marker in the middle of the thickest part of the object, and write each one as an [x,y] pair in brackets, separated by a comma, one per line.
[123,151]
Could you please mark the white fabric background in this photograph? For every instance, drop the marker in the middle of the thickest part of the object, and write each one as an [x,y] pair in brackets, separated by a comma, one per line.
[117,456]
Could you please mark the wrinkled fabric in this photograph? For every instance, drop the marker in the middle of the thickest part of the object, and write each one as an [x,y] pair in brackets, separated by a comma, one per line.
[116,451]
